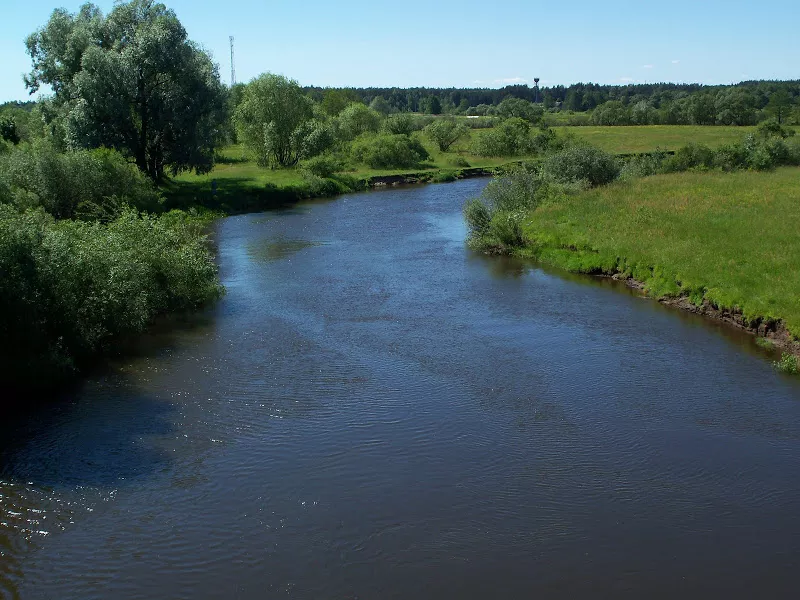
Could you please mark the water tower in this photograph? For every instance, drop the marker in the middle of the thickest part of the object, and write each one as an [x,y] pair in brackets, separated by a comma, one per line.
[536,89]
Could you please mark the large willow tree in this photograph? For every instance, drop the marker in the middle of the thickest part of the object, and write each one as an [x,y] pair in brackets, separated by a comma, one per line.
[131,81]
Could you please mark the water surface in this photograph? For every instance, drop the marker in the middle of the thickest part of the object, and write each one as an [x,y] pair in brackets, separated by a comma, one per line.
[372,411]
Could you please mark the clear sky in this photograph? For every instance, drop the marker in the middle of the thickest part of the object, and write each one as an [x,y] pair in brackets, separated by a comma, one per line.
[466,43]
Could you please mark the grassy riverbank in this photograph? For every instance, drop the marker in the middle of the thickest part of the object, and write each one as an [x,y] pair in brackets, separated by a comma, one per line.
[726,238]
[243,185]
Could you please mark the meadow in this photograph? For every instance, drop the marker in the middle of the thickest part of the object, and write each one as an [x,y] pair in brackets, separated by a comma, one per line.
[728,238]
[243,185]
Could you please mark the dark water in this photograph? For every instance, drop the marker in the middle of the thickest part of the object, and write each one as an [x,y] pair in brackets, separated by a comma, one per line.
[375,412]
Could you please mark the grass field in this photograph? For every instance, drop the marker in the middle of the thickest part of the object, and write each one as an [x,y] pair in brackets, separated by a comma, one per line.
[730,238]
[237,174]
[646,138]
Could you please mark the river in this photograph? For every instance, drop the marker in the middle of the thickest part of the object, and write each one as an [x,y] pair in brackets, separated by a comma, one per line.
[373,411]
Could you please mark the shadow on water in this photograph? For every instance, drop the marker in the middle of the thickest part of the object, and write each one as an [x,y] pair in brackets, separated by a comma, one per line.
[280,248]
[512,267]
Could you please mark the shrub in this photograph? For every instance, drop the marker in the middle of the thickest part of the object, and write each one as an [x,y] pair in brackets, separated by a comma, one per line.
[323,165]
[68,288]
[478,216]
[445,132]
[87,183]
[517,107]
[512,137]
[612,112]
[730,157]
[582,163]
[357,119]
[772,128]
[389,151]
[458,161]
[400,124]
[495,219]
[788,364]
[643,165]
[481,122]
[692,156]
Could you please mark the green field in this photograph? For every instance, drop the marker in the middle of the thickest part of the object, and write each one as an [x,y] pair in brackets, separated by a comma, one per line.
[238,176]
[730,238]
[646,138]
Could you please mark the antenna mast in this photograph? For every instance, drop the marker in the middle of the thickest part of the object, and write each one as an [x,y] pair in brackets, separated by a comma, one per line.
[233,67]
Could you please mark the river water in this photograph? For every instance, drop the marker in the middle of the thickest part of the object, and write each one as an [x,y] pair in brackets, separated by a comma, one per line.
[373,411]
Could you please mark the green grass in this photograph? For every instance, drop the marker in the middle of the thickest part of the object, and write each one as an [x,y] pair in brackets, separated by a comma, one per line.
[646,138]
[729,238]
[242,185]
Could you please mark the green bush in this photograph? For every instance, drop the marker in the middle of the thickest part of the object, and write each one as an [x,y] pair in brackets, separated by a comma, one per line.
[458,161]
[582,163]
[399,124]
[323,165]
[89,184]
[692,156]
[495,219]
[517,107]
[512,137]
[68,288]
[386,151]
[643,165]
[788,364]
[445,132]
[355,120]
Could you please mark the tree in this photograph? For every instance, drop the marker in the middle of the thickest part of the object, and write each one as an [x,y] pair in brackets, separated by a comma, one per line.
[334,101]
[357,119]
[431,105]
[272,120]
[779,105]
[381,105]
[445,132]
[131,81]
[8,130]
[517,107]
[612,112]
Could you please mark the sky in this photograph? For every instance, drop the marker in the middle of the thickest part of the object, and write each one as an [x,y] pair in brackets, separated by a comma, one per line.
[465,43]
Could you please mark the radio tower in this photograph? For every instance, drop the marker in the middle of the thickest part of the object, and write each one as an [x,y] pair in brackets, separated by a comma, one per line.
[233,67]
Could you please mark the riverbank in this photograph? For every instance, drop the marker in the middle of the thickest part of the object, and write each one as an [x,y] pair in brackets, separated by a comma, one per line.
[718,244]
[237,184]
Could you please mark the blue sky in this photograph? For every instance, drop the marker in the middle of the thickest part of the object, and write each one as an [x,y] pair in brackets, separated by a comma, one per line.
[467,43]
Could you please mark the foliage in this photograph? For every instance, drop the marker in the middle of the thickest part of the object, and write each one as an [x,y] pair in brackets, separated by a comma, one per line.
[87,184]
[68,288]
[643,165]
[357,119]
[380,105]
[8,130]
[401,123]
[131,81]
[445,132]
[323,165]
[334,101]
[582,163]
[613,112]
[431,105]
[691,156]
[385,151]
[495,219]
[788,364]
[272,120]
[511,137]
[519,108]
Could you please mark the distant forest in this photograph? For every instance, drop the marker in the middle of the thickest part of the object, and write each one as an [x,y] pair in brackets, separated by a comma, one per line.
[578,97]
